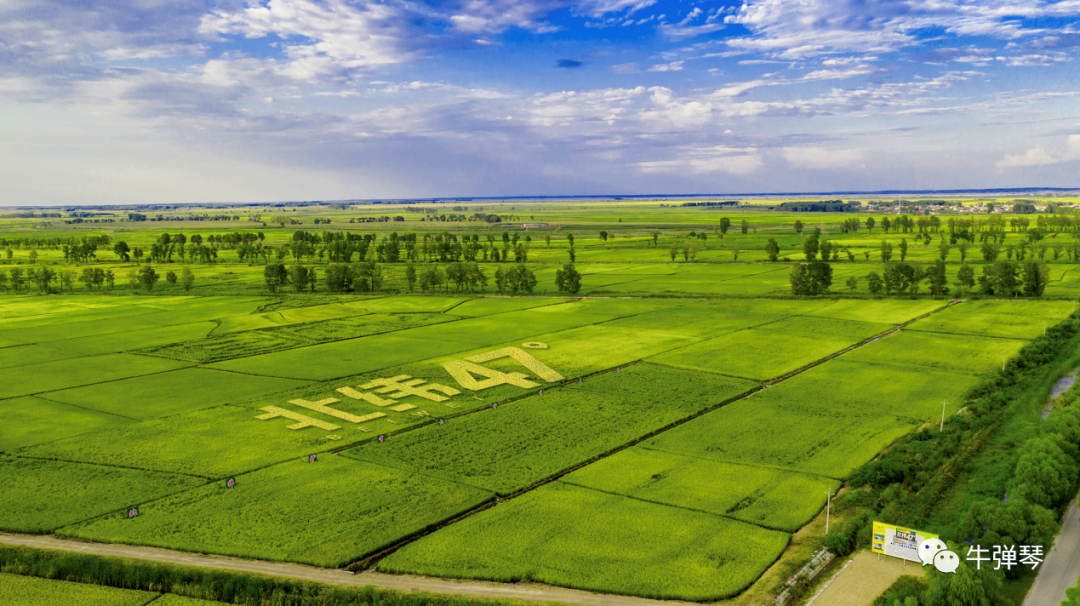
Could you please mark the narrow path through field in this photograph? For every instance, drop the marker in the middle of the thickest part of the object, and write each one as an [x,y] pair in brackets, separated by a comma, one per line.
[522,591]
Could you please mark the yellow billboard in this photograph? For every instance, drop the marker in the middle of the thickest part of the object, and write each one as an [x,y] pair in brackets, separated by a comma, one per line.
[898,541]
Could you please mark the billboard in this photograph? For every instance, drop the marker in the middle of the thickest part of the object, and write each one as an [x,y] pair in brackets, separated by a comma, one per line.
[898,541]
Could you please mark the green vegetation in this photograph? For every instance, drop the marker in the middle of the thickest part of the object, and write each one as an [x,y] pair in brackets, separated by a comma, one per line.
[43,496]
[327,513]
[18,590]
[766,497]
[65,567]
[188,351]
[526,441]
[576,537]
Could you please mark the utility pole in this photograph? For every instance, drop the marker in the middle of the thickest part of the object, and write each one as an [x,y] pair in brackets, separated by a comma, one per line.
[828,506]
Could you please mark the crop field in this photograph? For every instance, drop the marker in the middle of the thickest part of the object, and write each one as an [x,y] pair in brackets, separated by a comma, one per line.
[44,496]
[16,590]
[326,513]
[576,537]
[524,442]
[767,497]
[669,429]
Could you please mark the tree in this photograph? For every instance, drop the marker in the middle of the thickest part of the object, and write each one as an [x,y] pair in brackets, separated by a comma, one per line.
[655,238]
[33,256]
[171,279]
[1045,474]
[938,279]
[569,238]
[16,278]
[1036,277]
[725,225]
[886,251]
[965,277]
[148,277]
[87,278]
[990,251]
[121,250]
[298,276]
[965,587]
[276,276]
[852,282]
[734,251]
[903,249]
[943,250]
[187,278]
[1001,278]
[500,280]
[886,224]
[521,279]
[573,254]
[67,280]
[870,225]
[568,279]
[547,240]
[603,236]
[410,271]
[772,249]
[963,248]
[813,278]
[745,226]
[810,247]
[674,251]
[798,227]
[874,283]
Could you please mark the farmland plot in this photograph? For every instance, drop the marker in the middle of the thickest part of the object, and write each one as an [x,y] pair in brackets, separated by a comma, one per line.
[326,513]
[1009,319]
[954,353]
[215,442]
[174,392]
[757,431]
[61,374]
[29,420]
[523,442]
[585,539]
[772,498]
[18,590]
[42,496]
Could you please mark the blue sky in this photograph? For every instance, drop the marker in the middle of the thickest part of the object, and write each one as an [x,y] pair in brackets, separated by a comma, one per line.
[166,101]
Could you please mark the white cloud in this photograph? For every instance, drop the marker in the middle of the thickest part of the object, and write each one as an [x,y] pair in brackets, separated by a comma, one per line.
[795,30]
[731,160]
[674,66]
[1034,157]
[821,158]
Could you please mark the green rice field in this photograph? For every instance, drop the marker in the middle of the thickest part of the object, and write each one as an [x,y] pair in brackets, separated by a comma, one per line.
[670,430]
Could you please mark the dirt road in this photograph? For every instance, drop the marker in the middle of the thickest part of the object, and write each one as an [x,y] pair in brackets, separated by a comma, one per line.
[863,580]
[517,591]
[1062,565]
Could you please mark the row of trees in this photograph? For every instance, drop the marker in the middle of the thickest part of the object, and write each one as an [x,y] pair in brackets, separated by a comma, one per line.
[92,278]
[367,276]
[1003,278]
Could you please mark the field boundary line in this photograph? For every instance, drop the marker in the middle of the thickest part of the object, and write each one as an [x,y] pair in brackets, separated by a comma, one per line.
[969,334]
[42,396]
[754,465]
[702,511]
[160,372]
[59,460]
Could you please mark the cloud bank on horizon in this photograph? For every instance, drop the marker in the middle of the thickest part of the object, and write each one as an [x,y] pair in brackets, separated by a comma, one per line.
[231,100]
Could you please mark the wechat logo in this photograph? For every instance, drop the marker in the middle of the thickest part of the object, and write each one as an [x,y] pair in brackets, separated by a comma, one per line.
[934,551]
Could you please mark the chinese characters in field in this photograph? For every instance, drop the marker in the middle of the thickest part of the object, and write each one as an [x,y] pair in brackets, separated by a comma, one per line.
[385,392]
